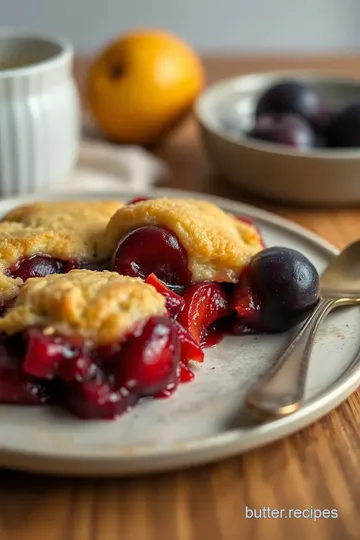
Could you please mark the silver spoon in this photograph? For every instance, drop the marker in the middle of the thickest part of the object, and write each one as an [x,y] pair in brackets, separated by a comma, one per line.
[281,390]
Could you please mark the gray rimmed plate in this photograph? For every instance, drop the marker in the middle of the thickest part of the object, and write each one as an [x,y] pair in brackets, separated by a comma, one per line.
[204,421]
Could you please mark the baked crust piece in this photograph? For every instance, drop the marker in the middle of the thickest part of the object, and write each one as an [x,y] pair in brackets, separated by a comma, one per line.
[218,245]
[101,307]
[18,241]
[87,219]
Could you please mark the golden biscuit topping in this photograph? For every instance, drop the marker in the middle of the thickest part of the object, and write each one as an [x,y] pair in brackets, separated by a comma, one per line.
[18,241]
[85,218]
[218,245]
[9,287]
[99,306]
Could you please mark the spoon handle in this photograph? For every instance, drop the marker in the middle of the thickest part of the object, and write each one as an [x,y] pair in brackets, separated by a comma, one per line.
[280,391]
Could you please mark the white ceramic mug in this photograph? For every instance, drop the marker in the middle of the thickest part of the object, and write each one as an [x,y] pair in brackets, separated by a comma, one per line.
[39,112]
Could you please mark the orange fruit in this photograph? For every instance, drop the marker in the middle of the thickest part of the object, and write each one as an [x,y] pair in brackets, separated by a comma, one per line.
[142,84]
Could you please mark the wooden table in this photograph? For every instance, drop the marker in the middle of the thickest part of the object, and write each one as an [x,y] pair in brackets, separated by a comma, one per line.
[317,467]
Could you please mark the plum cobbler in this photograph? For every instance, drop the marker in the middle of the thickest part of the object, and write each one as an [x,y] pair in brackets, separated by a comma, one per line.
[105,303]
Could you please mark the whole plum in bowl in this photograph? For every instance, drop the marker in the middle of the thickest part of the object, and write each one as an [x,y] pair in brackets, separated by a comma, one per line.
[292,97]
[289,136]
[282,128]
[343,130]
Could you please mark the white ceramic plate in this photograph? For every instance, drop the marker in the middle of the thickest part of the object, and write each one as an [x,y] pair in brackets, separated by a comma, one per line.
[204,420]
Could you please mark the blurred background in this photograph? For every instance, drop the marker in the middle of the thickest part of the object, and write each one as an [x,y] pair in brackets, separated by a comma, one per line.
[259,26]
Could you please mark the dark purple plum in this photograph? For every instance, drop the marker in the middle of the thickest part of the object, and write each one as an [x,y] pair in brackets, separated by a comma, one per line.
[286,284]
[343,130]
[292,97]
[286,129]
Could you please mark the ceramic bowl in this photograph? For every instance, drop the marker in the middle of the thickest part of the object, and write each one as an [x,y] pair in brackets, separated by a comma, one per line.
[225,112]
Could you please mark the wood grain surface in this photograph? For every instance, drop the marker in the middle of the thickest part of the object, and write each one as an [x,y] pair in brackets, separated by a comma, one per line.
[318,467]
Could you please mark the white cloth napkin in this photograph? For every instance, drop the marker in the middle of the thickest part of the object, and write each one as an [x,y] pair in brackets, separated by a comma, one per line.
[103,166]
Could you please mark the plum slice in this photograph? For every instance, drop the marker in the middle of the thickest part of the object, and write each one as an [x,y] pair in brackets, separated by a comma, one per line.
[247,306]
[183,374]
[36,266]
[149,359]
[49,356]
[186,375]
[152,250]
[244,300]
[174,302]
[189,347]
[97,399]
[205,303]
[15,387]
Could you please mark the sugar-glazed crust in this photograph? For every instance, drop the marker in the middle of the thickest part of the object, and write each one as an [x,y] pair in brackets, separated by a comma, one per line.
[217,244]
[87,219]
[99,306]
